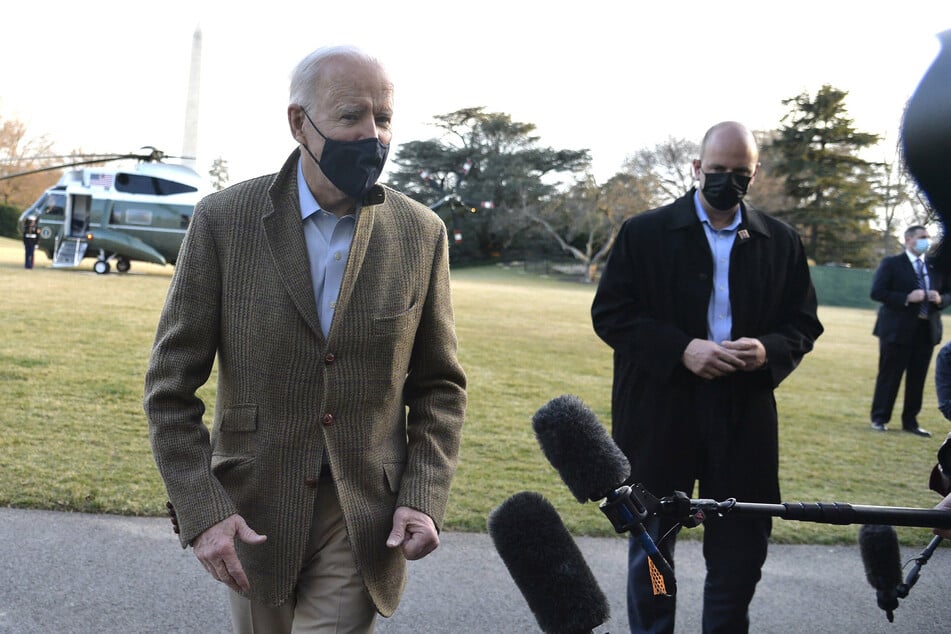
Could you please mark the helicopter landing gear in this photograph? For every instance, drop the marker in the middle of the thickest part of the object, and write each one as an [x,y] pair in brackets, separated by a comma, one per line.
[101,267]
[122,265]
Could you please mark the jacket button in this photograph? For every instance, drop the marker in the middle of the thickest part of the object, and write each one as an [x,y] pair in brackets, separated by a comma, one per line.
[328,419]
[311,483]
[329,358]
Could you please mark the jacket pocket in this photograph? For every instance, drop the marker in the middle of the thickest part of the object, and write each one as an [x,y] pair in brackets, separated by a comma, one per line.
[235,434]
[392,339]
[396,325]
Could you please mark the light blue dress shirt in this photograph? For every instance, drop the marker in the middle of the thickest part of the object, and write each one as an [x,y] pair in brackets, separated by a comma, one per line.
[328,241]
[719,313]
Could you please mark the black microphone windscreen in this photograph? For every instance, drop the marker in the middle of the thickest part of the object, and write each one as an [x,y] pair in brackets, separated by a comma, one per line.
[879,547]
[547,565]
[579,447]
[880,556]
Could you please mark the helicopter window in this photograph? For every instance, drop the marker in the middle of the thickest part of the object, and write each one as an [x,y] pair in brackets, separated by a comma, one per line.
[138,184]
[54,204]
[138,216]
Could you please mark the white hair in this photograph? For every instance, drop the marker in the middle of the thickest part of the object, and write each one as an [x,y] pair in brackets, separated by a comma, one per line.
[306,74]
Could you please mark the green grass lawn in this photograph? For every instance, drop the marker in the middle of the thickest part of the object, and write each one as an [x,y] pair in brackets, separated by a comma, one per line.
[74,348]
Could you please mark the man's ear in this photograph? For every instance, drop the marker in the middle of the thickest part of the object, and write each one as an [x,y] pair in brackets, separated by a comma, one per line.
[295,120]
[755,172]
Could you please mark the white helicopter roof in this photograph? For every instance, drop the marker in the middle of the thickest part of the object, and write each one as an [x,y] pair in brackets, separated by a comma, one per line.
[105,177]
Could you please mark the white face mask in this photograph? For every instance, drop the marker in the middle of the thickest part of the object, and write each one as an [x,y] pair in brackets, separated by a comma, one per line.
[922,245]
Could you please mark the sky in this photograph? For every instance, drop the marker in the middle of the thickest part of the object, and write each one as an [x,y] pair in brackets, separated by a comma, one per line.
[609,76]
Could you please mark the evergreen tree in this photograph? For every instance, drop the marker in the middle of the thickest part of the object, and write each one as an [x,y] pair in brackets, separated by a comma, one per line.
[485,176]
[831,188]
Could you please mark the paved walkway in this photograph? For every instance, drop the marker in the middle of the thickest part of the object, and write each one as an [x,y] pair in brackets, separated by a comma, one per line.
[70,573]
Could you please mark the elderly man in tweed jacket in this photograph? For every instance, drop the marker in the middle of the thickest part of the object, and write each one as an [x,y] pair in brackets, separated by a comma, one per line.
[339,389]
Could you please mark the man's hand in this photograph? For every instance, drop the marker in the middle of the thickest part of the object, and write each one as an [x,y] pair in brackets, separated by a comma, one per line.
[215,550]
[413,532]
[943,505]
[915,297]
[749,350]
[934,297]
[709,360]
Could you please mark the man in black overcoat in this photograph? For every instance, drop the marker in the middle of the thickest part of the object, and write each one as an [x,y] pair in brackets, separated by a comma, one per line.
[708,306]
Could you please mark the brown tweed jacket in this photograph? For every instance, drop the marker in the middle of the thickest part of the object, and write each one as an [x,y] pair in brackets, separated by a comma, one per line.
[383,394]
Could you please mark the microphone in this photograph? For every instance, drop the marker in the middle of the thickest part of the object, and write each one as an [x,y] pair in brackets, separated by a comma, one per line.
[547,565]
[579,448]
[594,468]
[879,547]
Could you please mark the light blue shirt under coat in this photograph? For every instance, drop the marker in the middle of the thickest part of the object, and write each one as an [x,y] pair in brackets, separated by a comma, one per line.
[719,312]
[328,241]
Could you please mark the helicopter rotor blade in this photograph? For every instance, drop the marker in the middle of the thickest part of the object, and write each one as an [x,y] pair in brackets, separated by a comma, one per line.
[55,157]
[154,154]
[50,168]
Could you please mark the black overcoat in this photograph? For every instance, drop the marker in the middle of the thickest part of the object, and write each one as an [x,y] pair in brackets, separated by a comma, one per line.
[652,300]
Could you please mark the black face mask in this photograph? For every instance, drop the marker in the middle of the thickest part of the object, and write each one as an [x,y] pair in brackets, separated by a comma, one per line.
[352,166]
[723,190]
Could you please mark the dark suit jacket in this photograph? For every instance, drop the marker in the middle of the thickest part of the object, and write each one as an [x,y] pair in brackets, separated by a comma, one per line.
[897,320]
[383,394]
[652,300]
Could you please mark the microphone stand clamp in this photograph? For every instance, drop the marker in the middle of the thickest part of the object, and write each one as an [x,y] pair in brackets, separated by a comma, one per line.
[626,511]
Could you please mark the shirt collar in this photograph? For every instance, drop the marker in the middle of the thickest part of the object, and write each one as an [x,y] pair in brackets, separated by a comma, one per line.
[705,219]
[308,204]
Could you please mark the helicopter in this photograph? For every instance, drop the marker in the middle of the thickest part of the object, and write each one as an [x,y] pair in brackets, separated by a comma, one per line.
[115,214]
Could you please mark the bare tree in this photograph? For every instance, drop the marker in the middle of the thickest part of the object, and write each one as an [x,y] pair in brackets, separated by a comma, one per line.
[899,208]
[20,153]
[585,220]
[668,163]
[219,174]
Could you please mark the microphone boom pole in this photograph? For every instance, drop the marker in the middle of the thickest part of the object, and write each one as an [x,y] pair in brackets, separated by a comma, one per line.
[823,512]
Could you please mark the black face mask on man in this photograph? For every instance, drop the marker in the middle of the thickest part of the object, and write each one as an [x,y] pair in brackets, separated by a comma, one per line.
[352,166]
[724,190]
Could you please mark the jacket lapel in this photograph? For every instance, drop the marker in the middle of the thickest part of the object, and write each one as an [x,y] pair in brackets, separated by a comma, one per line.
[909,270]
[358,251]
[684,218]
[285,239]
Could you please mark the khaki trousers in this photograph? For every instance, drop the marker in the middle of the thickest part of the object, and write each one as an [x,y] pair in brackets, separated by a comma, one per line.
[329,598]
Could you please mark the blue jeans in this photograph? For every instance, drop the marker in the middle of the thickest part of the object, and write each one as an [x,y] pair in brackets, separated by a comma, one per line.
[734,549]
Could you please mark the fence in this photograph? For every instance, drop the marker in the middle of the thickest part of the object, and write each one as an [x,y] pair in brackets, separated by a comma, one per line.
[835,285]
[842,286]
